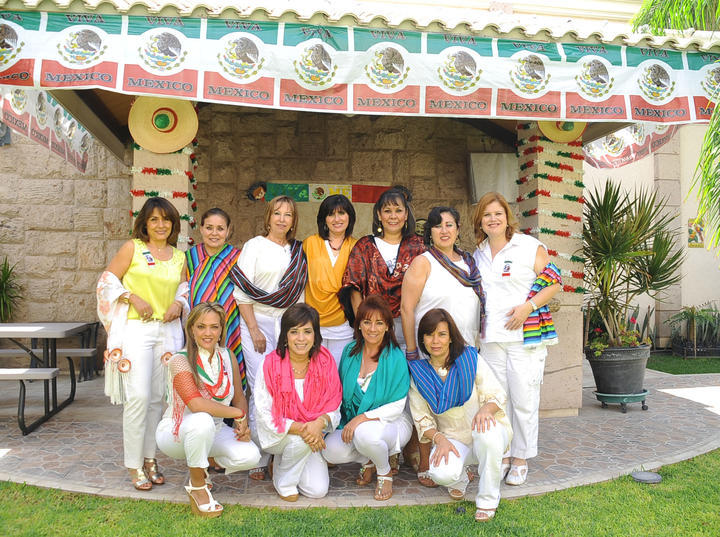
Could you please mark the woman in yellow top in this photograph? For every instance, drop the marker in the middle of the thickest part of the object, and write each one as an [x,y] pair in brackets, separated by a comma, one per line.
[140,301]
[327,256]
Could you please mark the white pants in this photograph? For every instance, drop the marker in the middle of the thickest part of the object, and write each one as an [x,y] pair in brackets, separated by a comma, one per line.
[373,440]
[520,372]
[297,469]
[199,438]
[487,450]
[144,345]
[270,328]
[335,338]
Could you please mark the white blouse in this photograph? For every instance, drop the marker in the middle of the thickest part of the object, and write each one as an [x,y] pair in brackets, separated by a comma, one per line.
[268,435]
[264,262]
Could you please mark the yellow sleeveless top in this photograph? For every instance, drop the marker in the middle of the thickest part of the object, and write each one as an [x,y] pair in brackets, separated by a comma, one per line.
[153,280]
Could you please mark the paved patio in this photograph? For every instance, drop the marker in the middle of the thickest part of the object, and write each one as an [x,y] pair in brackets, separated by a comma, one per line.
[80,449]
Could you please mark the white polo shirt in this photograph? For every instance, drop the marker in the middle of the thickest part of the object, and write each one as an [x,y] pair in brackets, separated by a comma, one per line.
[506,281]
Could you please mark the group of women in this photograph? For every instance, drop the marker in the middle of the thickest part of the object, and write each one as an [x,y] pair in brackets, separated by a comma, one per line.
[352,350]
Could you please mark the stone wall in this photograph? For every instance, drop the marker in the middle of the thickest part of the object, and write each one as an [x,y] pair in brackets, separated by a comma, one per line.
[60,227]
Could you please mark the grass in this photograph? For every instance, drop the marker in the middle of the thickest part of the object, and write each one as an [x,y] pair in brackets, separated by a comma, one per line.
[677,365]
[684,504]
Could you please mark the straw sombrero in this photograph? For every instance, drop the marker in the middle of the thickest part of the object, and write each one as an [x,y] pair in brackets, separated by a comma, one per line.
[162,125]
[562,131]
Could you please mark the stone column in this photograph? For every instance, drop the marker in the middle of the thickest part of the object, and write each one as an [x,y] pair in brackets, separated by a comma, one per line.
[169,175]
[550,209]
[666,164]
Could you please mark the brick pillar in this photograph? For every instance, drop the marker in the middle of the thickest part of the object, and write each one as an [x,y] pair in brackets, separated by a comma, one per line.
[169,186]
[550,187]
[666,164]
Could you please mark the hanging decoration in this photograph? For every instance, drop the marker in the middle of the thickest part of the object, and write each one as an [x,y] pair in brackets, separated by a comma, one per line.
[162,125]
[628,145]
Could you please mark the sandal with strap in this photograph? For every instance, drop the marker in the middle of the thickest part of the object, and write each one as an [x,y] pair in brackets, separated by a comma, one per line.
[517,474]
[504,469]
[484,515]
[215,467]
[258,474]
[208,481]
[381,480]
[151,469]
[366,473]
[211,509]
[139,479]
[291,498]
[456,494]
[425,480]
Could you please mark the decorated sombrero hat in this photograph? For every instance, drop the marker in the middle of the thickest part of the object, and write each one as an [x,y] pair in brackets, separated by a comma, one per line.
[162,125]
[562,131]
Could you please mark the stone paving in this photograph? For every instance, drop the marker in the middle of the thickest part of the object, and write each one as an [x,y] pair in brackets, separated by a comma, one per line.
[81,449]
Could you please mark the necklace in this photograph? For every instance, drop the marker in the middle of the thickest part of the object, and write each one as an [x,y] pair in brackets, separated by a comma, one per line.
[302,371]
[334,249]
[442,370]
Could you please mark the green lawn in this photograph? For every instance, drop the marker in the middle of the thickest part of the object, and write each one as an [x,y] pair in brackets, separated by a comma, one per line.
[684,504]
[677,365]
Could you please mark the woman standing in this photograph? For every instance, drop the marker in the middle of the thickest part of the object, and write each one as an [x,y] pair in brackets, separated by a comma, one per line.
[269,276]
[375,382]
[444,276]
[458,407]
[519,280]
[327,255]
[141,296]
[205,387]
[298,395]
[379,261]
[208,268]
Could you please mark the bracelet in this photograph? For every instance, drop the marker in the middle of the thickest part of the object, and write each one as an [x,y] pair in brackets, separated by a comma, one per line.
[412,355]
[532,303]
[241,418]
[433,436]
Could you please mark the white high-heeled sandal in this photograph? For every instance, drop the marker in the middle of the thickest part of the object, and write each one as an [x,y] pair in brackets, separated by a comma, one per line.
[517,474]
[211,509]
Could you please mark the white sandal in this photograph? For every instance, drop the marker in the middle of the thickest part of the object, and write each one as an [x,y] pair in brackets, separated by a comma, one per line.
[208,481]
[517,474]
[504,469]
[211,509]
[484,515]
[381,479]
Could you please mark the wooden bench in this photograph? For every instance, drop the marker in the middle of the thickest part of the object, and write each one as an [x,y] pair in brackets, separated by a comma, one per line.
[46,374]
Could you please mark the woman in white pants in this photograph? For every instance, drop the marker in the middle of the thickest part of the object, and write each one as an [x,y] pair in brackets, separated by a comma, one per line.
[270,275]
[457,404]
[297,400]
[375,382]
[519,280]
[206,387]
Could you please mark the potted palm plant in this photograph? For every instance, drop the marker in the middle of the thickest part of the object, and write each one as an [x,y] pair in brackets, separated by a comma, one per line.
[629,247]
[10,290]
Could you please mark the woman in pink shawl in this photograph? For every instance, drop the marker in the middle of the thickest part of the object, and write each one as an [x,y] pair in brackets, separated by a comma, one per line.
[298,398]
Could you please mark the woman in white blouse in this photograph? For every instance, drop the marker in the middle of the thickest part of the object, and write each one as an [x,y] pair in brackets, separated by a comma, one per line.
[375,383]
[270,276]
[298,395]
[457,405]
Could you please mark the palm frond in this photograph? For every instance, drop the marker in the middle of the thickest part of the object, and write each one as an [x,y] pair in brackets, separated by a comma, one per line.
[661,15]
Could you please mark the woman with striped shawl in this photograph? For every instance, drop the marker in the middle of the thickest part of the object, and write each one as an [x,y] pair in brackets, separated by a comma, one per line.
[208,269]
[519,280]
[270,276]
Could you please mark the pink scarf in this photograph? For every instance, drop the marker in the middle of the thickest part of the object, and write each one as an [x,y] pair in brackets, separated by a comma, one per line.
[322,389]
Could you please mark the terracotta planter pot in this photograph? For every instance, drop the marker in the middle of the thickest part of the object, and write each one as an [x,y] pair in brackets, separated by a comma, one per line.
[619,370]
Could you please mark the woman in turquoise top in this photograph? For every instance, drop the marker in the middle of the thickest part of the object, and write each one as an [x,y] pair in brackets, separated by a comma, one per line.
[151,274]
[375,380]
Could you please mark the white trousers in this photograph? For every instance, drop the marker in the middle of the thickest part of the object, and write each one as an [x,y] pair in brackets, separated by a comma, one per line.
[335,338]
[297,469]
[199,438]
[270,328]
[144,345]
[520,372]
[487,451]
[373,440]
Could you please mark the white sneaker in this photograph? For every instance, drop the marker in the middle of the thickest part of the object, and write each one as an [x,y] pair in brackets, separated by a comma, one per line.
[517,474]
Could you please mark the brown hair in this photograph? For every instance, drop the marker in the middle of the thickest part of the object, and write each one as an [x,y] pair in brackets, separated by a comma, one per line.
[374,304]
[190,345]
[487,199]
[167,210]
[429,323]
[298,315]
[271,206]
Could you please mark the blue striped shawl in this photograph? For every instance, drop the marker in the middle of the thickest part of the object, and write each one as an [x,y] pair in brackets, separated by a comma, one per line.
[458,386]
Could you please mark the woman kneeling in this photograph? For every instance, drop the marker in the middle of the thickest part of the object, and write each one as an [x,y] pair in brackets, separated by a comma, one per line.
[375,380]
[458,405]
[297,397]
[206,387]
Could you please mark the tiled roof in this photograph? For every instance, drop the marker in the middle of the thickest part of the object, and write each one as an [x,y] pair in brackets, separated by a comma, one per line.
[516,20]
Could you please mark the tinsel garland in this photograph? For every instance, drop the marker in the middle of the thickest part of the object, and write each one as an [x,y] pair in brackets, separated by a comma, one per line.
[526,165]
[570,257]
[188,149]
[570,289]
[522,126]
[574,156]
[550,231]
[548,194]
[533,149]
[578,275]
[559,166]
[167,195]
[554,214]
[553,178]
[166,171]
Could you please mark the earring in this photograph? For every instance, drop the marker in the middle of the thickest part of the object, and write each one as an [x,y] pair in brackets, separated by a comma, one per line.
[379,229]
[325,228]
